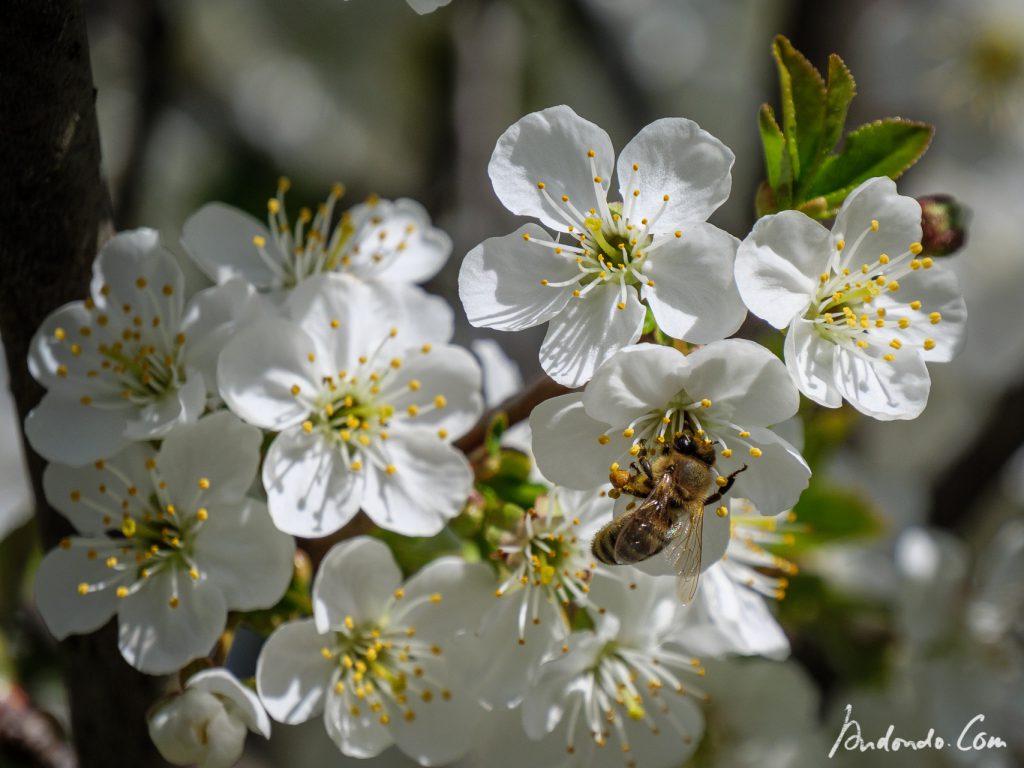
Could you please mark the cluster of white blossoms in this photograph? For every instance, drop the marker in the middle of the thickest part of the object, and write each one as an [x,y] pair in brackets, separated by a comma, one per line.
[192,437]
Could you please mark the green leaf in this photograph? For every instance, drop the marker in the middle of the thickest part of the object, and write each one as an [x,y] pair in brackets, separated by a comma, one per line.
[841,90]
[882,148]
[803,105]
[776,162]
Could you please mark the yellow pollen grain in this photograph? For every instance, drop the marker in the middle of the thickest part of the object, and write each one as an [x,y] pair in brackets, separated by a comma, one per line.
[727,453]
[744,434]
[357,465]
[296,389]
[915,305]
[927,262]
[603,439]
[204,483]
[840,244]
[391,469]
[440,401]
[929,344]
[705,403]
[635,450]
[425,348]
[628,432]
[755,451]
[443,434]
[665,198]
[122,592]
[720,481]
[915,248]
[412,410]
[722,511]
[436,598]
[862,344]
[540,185]
[883,259]
[915,264]
[896,344]
[590,153]
[934,318]
[903,322]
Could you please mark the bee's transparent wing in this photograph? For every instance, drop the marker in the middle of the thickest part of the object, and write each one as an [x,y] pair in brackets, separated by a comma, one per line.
[684,553]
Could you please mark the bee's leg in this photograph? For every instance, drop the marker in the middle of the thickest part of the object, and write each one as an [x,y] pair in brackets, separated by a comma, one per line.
[717,495]
[646,466]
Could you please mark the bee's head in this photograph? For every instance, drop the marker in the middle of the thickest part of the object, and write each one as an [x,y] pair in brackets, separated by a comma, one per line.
[698,447]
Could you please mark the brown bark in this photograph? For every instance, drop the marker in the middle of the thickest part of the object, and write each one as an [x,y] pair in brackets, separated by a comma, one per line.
[54,212]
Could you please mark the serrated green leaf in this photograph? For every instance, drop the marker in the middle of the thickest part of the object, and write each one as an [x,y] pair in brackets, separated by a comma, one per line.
[841,90]
[803,105]
[882,148]
[774,143]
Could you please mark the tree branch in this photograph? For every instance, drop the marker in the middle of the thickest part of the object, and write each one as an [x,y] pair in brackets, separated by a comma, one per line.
[54,211]
[517,408]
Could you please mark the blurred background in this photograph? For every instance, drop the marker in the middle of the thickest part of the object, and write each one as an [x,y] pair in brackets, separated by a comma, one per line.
[912,607]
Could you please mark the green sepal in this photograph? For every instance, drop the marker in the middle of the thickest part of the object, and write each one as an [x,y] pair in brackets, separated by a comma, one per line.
[495,429]
[883,148]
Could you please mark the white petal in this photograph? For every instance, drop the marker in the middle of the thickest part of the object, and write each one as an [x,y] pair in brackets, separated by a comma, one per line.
[310,490]
[158,639]
[240,550]
[779,263]
[694,296]
[741,616]
[589,331]
[47,351]
[427,6]
[219,448]
[442,731]
[292,674]
[78,493]
[898,217]
[811,359]
[356,578]
[501,376]
[65,611]
[746,383]
[566,446]
[219,239]
[503,675]
[428,487]
[772,481]
[259,367]
[419,316]
[155,419]
[446,371]
[880,389]
[362,736]
[668,747]
[500,281]
[545,700]
[938,290]
[129,256]
[675,157]
[62,429]
[466,590]
[550,147]
[634,381]
[424,249]
[222,683]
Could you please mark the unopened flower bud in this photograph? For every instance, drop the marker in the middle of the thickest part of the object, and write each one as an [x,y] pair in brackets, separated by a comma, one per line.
[207,723]
[943,225]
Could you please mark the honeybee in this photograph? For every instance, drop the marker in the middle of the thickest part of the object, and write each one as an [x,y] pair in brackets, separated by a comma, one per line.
[674,487]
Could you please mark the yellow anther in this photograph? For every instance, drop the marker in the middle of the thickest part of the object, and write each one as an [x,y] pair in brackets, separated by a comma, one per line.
[927,262]
[307,426]
[544,282]
[193,574]
[934,318]
[915,248]
[896,344]
[874,225]
[443,434]
[412,410]
[590,153]
[665,198]
[722,511]
[628,432]
[425,348]
[526,236]
[840,244]
[705,403]
[744,434]
[755,451]
[894,286]
[929,344]
[604,439]
[903,322]
[296,389]
[440,401]
[862,344]
[727,453]
[391,469]
[915,305]
[540,185]
[915,264]
[436,598]
[357,465]
[635,450]
[823,277]
[720,481]
[597,179]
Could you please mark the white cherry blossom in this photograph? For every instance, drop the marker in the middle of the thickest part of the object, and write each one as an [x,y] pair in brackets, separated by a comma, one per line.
[549,565]
[169,542]
[609,259]
[378,240]
[730,390]
[378,659]
[367,398]
[864,310]
[207,723]
[132,360]
[622,693]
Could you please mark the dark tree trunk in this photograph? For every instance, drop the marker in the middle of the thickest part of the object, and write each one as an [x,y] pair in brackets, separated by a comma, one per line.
[54,212]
